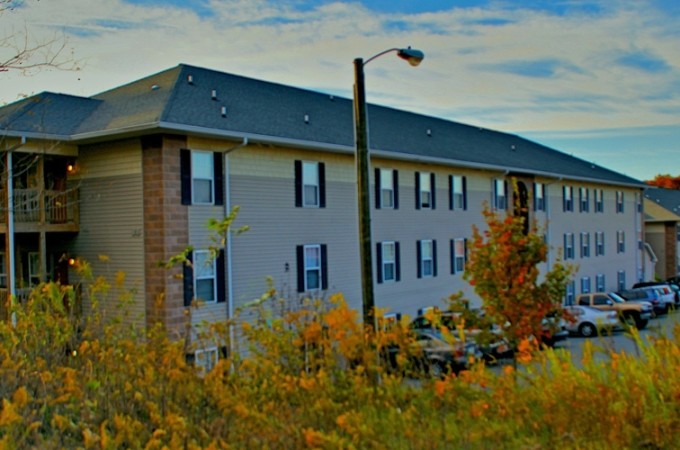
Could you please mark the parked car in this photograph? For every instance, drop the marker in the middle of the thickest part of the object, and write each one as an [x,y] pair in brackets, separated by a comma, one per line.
[554,330]
[588,321]
[662,300]
[436,354]
[490,340]
[636,313]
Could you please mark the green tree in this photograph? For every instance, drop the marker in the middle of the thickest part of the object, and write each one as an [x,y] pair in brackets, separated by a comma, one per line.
[503,268]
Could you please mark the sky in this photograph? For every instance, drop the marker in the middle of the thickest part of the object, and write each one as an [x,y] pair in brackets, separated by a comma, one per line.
[597,79]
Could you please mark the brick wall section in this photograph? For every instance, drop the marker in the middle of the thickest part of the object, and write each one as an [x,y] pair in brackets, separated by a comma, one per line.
[165,231]
[671,245]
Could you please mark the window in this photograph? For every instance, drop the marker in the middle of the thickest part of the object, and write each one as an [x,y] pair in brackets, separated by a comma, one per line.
[206,359]
[568,246]
[205,280]
[202,181]
[310,184]
[457,192]
[425,189]
[585,245]
[569,294]
[539,197]
[204,277]
[619,201]
[427,258]
[500,194]
[599,282]
[312,267]
[620,241]
[584,199]
[621,280]
[386,188]
[34,268]
[388,261]
[458,255]
[3,271]
[585,285]
[567,198]
[599,243]
[599,200]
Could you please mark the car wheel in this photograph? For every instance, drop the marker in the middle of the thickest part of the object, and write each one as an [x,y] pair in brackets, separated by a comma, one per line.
[640,323]
[587,329]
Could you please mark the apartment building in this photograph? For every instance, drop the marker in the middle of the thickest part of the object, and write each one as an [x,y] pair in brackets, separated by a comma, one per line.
[136,172]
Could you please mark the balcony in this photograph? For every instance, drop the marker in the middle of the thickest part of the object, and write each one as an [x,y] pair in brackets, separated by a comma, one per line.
[36,210]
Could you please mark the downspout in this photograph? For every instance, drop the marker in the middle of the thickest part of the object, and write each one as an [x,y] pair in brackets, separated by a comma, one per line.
[227,211]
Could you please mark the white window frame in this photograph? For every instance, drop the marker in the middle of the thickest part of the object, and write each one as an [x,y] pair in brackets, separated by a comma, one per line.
[386,188]
[458,192]
[620,199]
[425,180]
[599,243]
[599,200]
[33,268]
[620,241]
[426,256]
[205,268]
[585,285]
[311,268]
[206,359]
[568,198]
[500,195]
[539,196]
[585,245]
[584,199]
[202,170]
[621,280]
[311,179]
[389,262]
[459,258]
[600,282]
[569,246]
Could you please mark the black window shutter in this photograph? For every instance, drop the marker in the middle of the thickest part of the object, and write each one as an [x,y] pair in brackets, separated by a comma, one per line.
[300,268]
[298,183]
[419,259]
[452,249]
[434,191]
[188,280]
[379,262]
[566,256]
[322,185]
[219,179]
[376,181]
[221,278]
[417,190]
[324,266]
[434,258]
[535,202]
[185,175]
[397,261]
[564,198]
[450,192]
[464,194]
[506,193]
[395,180]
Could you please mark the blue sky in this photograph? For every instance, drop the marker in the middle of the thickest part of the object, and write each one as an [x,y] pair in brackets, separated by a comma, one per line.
[598,79]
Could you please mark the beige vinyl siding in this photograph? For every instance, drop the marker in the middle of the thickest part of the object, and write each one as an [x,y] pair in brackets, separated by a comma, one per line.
[111,221]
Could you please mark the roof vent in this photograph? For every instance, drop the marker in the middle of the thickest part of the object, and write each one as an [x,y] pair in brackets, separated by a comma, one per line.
[429,132]
[214,94]
[331,98]
[513,148]
[155,87]
[190,79]
[306,118]
[224,111]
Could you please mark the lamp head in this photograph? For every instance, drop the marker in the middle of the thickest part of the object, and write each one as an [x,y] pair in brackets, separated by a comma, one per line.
[413,56]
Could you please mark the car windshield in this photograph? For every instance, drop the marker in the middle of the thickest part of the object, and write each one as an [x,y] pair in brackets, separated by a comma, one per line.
[616,298]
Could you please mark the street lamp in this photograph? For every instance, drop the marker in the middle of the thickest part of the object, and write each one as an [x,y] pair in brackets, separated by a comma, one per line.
[414,57]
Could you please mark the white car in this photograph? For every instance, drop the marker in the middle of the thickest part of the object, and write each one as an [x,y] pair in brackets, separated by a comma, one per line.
[586,321]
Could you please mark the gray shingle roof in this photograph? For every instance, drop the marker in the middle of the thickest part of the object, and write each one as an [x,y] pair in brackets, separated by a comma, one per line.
[667,198]
[258,109]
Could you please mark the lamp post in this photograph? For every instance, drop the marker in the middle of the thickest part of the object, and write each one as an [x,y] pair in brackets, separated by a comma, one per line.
[414,57]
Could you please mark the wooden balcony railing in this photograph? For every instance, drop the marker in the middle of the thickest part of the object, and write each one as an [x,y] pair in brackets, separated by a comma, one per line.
[60,207]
